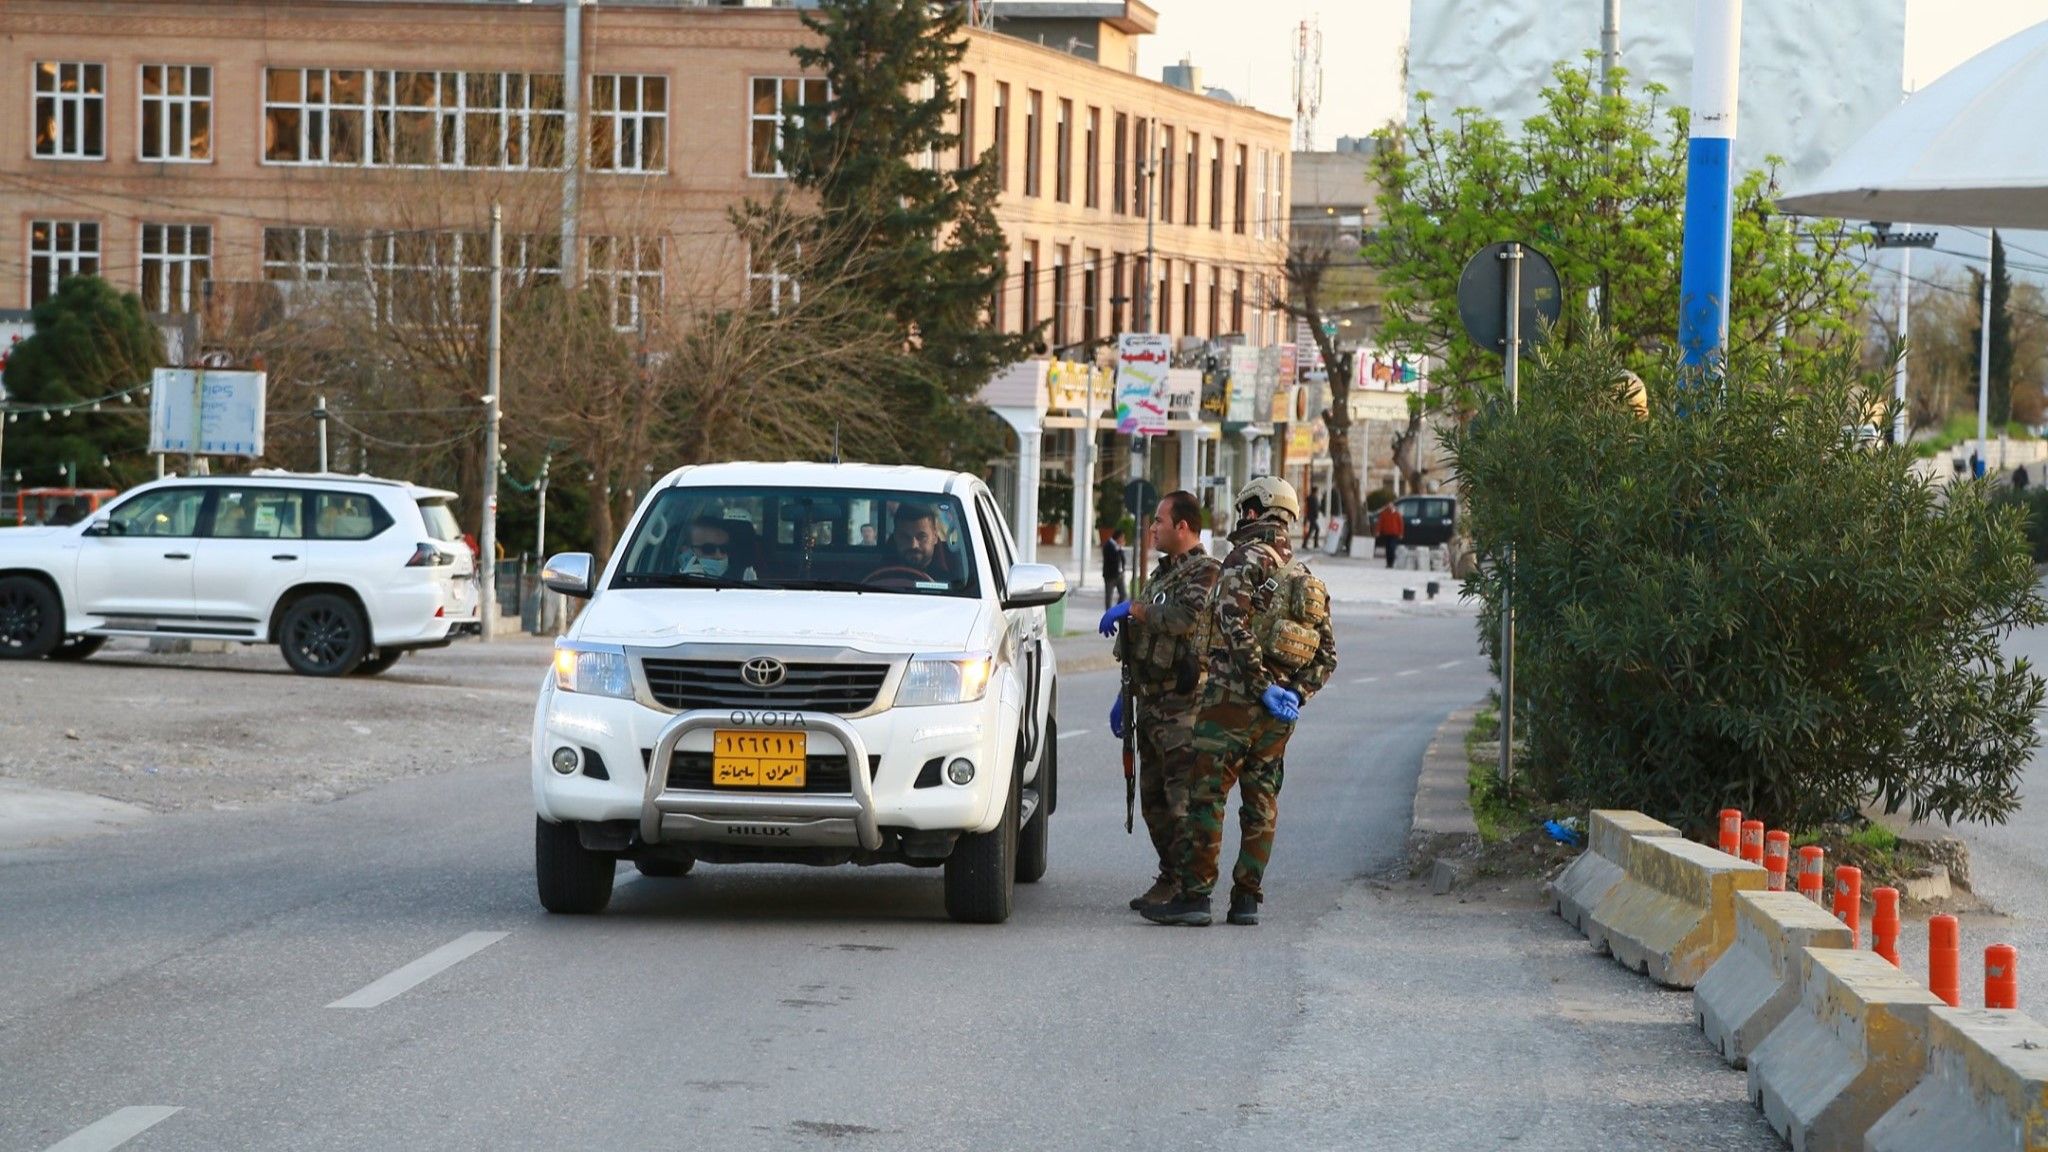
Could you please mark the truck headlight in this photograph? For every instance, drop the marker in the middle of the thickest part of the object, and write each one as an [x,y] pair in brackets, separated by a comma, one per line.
[959,678]
[592,671]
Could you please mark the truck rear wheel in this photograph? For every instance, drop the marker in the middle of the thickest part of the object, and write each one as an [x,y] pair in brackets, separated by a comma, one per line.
[981,872]
[573,880]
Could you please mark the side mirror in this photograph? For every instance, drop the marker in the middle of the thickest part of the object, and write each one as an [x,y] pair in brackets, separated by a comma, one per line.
[570,574]
[1035,586]
[100,526]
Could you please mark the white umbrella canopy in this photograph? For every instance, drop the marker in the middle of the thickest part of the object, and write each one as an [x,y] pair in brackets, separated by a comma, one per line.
[1969,149]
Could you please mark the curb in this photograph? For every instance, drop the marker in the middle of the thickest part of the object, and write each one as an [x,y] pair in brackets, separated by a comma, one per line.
[1673,914]
[1443,792]
[1752,988]
[1985,1087]
[1851,1050]
[1588,880]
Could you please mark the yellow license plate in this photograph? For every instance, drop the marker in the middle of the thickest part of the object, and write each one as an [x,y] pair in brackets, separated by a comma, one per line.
[742,759]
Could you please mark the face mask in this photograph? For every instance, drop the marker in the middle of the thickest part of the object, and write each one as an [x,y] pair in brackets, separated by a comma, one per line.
[712,566]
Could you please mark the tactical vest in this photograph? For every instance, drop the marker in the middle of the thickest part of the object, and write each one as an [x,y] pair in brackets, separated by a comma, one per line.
[1287,608]
[1167,664]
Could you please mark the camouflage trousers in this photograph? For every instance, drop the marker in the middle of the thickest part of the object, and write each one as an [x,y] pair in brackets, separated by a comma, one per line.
[1166,754]
[1237,742]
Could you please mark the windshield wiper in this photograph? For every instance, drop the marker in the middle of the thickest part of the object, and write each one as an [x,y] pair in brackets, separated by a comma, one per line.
[675,580]
[829,586]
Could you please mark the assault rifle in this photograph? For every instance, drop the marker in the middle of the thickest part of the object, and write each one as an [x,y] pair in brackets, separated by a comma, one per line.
[1129,699]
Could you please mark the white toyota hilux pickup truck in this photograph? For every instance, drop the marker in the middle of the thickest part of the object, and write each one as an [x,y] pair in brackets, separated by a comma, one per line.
[801,663]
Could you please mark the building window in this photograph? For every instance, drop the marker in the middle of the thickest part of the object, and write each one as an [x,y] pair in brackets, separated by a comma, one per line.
[484,120]
[1063,155]
[964,116]
[1216,186]
[770,287]
[1279,210]
[1161,319]
[1215,302]
[57,251]
[776,115]
[1194,214]
[1117,299]
[1141,184]
[1029,312]
[1262,205]
[1002,136]
[1034,119]
[1118,191]
[1091,179]
[629,123]
[1238,215]
[626,270]
[71,110]
[1060,257]
[315,116]
[177,112]
[1237,301]
[1187,301]
[1166,175]
[1091,296]
[408,277]
[176,260]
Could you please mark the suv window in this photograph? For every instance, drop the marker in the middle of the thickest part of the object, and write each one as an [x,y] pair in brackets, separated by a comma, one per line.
[831,539]
[257,514]
[162,512]
[347,516]
[440,521]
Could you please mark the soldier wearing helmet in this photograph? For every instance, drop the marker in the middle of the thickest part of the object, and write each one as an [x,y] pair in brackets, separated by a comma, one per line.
[1271,648]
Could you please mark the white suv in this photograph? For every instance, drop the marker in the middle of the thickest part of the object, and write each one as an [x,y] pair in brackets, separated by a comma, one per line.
[802,663]
[345,573]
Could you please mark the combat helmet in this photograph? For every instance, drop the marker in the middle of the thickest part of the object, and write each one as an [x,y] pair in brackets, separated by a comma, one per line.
[1271,494]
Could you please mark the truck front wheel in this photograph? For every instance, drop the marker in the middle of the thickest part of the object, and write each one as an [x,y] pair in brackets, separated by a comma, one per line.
[573,880]
[981,872]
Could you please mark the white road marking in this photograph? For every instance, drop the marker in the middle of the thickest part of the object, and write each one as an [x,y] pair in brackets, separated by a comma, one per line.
[1409,672]
[1365,680]
[114,1130]
[1449,664]
[1075,732]
[420,971]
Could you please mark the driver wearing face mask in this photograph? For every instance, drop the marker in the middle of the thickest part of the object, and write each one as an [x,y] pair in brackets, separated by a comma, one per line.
[710,550]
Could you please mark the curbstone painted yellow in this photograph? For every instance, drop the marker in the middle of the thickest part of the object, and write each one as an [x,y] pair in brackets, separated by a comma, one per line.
[1853,1047]
[1673,914]
[1754,985]
[1587,880]
[1985,1088]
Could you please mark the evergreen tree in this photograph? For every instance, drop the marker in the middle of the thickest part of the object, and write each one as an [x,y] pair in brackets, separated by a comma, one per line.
[90,342]
[920,239]
[1998,404]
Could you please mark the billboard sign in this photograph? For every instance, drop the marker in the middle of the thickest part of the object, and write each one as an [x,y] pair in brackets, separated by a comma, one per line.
[206,412]
[1143,360]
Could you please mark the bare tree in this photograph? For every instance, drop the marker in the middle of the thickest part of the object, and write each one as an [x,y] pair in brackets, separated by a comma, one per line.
[1304,274]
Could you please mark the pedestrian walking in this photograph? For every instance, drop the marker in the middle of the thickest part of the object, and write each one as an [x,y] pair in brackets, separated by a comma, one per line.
[1162,637]
[1271,648]
[1113,588]
[2019,478]
[1312,527]
[1388,530]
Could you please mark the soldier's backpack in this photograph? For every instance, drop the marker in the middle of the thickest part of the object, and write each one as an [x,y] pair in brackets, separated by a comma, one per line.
[1286,613]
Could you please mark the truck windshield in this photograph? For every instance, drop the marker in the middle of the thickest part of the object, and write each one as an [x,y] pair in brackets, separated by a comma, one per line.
[821,539]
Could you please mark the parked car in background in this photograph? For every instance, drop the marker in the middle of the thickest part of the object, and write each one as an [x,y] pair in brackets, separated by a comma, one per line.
[1427,521]
[58,505]
[345,574]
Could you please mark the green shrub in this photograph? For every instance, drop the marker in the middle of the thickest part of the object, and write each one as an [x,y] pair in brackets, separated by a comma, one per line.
[1378,498]
[1737,603]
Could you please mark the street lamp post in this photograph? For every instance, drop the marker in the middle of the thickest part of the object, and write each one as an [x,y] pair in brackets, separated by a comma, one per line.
[487,600]
[1905,242]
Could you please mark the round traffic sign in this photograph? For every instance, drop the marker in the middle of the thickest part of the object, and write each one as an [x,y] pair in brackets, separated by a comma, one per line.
[1483,296]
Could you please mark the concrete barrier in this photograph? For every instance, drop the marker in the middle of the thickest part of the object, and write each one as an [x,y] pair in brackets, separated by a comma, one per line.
[1587,880]
[1853,1047]
[1985,1088]
[1754,985]
[1673,914]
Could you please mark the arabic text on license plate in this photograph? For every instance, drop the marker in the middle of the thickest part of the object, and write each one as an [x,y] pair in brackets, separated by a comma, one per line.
[747,759]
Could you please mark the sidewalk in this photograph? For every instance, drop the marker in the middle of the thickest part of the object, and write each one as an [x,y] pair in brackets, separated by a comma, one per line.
[1360,583]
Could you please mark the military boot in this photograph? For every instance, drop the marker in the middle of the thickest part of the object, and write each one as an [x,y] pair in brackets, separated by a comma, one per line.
[1160,892]
[1189,911]
[1244,908]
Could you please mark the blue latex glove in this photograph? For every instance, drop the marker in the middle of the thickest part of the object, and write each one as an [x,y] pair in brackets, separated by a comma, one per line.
[1284,705]
[1113,617]
[1116,718]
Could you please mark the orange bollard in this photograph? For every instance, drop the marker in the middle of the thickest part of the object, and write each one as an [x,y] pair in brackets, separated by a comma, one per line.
[2001,976]
[1944,960]
[1849,901]
[1731,831]
[1753,841]
[1813,873]
[1777,857]
[1884,924]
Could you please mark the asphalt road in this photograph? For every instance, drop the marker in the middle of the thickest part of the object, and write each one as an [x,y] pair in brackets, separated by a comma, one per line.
[195,964]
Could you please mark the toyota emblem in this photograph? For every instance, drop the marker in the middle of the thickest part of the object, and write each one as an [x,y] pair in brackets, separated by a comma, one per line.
[763,672]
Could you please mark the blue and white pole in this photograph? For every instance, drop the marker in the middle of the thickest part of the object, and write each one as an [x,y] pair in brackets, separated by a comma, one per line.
[1709,183]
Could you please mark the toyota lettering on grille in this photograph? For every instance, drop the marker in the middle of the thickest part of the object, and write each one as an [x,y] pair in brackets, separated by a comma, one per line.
[763,672]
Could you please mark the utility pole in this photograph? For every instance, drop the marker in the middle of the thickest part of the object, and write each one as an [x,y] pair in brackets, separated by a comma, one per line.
[1610,47]
[488,562]
[320,427]
[572,135]
[1984,358]
[1709,186]
[1513,256]
[1905,242]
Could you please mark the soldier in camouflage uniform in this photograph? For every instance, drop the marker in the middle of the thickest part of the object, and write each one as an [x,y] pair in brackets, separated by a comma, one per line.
[1163,636]
[1271,648]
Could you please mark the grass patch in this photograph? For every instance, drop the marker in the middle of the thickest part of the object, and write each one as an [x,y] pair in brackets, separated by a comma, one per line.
[1500,810]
